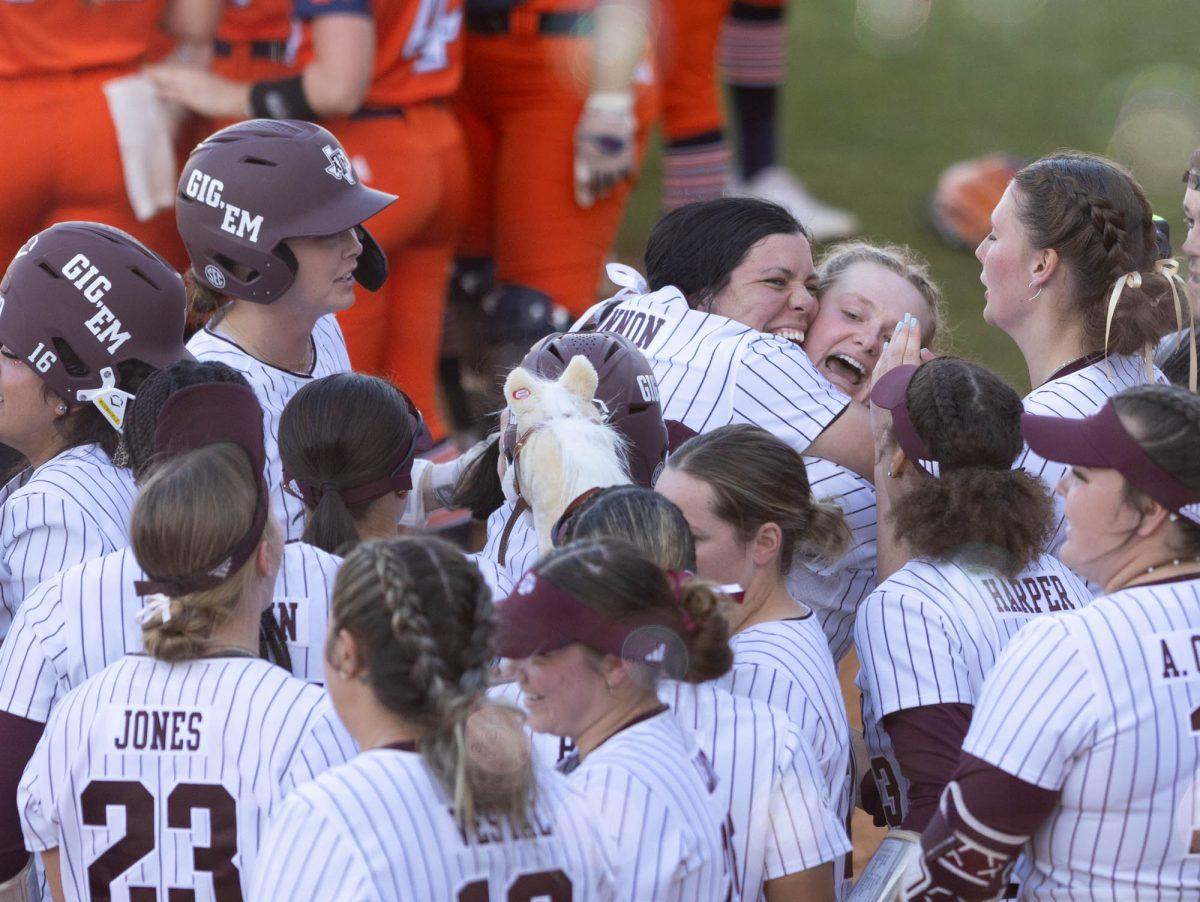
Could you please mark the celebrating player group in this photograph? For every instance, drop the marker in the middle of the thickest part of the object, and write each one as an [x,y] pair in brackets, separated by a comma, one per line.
[241,396]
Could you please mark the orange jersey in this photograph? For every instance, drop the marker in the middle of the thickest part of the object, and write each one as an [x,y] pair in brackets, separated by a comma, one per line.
[40,37]
[418,46]
[255,20]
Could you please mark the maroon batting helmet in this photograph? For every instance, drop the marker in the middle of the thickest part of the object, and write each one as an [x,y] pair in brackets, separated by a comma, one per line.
[627,393]
[80,298]
[248,188]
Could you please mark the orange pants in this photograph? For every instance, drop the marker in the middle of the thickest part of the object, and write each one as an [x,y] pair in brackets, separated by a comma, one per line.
[521,98]
[61,163]
[396,332]
[687,63]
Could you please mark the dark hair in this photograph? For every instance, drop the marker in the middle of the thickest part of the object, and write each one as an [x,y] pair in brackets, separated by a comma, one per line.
[202,301]
[1096,217]
[612,578]
[697,246]
[422,616]
[643,518]
[478,488]
[757,478]
[142,418]
[1165,421]
[1191,177]
[980,509]
[83,423]
[339,432]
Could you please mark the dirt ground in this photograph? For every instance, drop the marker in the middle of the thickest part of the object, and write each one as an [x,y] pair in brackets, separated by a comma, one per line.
[865,834]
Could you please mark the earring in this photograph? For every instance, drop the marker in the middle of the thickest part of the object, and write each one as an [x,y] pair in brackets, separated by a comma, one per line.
[62,408]
[1036,296]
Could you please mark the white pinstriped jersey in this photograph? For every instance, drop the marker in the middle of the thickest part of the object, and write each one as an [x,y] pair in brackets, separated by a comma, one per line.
[713,371]
[381,829]
[655,796]
[1076,395]
[931,633]
[274,388]
[73,507]
[83,619]
[767,774]
[521,548]
[1103,705]
[787,664]
[163,775]
[834,593]
[494,575]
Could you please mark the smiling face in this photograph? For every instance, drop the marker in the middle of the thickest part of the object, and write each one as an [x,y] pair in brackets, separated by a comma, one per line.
[1008,260]
[773,289]
[27,412]
[564,691]
[1191,241]
[325,271]
[1100,522]
[859,310]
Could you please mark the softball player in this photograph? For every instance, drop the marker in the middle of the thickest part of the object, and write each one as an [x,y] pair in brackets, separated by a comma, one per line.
[197,739]
[740,489]
[589,630]
[441,803]
[729,294]
[87,314]
[1093,774]
[1073,241]
[785,834]
[931,632]
[271,214]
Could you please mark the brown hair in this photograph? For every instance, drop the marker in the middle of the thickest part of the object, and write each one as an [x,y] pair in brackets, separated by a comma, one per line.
[897,258]
[1191,177]
[202,302]
[181,523]
[1096,217]
[980,508]
[83,423]
[643,518]
[422,615]
[757,478]
[1165,421]
[339,432]
[614,579]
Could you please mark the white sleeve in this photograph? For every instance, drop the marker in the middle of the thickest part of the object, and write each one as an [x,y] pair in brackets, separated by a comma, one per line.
[325,744]
[783,393]
[1038,709]
[29,680]
[305,856]
[35,797]
[804,831]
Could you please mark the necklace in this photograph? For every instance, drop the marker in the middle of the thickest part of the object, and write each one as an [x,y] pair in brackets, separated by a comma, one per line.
[240,339]
[1173,563]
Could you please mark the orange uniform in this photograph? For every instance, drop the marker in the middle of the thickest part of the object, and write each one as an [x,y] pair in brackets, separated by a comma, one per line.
[61,160]
[524,86]
[256,40]
[405,140]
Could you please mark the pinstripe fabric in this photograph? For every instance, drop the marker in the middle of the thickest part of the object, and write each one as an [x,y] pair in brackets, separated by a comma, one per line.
[521,549]
[231,736]
[381,828]
[1103,704]
[274,388]
[80,621]
[73,507]
[931,633]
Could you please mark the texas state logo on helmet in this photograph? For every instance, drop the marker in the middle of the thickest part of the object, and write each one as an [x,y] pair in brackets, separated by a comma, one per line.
[248,188]
[81,298]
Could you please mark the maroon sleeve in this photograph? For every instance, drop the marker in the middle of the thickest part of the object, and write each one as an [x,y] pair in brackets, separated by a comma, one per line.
[927,742]
[20,739]
[983,819]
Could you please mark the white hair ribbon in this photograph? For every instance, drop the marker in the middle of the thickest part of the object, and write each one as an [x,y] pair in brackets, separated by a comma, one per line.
[156,606]
[627,278]
[1129,280]
[1169,269]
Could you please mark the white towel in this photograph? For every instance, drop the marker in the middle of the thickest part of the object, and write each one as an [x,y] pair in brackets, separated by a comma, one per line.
[146,128]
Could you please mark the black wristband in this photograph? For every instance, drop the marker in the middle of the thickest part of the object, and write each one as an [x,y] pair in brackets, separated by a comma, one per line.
[282,99]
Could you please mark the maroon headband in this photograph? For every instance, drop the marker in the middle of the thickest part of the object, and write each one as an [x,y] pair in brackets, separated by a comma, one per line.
[1101,440]
[539,617]
[195,417]
[399,478]
[891,393]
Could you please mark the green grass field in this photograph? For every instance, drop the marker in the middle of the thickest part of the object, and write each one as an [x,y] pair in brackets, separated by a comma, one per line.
[883,94]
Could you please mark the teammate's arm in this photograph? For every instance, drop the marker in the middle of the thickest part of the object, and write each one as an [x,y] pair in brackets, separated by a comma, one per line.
[927,742]
[50,861]
[847,441]
[336,81]
[815,884]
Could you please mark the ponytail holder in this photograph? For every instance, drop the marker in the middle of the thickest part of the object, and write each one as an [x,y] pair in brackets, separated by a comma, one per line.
[676,578]
[329,486]
[156,606]
[1169,269]
[629,279]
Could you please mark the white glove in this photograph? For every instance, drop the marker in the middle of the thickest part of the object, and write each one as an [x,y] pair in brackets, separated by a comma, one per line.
[603,145]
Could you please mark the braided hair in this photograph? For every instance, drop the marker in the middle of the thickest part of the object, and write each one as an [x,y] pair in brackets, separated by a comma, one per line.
[1096,217]
[1165,421]
[140,424]
[422,615]
[980,509]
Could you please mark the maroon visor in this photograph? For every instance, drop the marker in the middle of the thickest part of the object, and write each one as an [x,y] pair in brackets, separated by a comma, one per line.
[1101,440]
[891,393]
[539,617]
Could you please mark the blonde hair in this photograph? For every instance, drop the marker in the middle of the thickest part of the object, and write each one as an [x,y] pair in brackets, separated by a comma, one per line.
[184,519]
[422,616]
[897,258]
